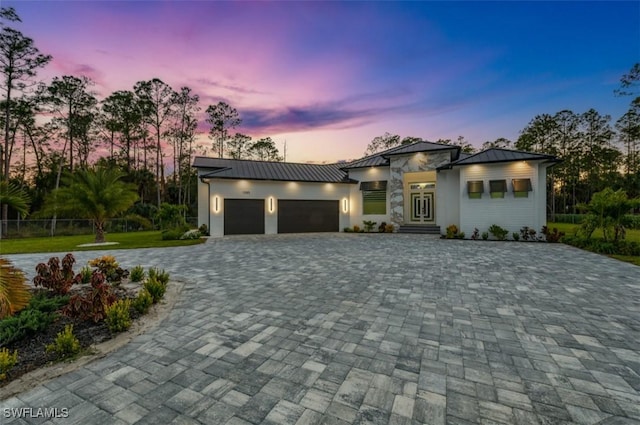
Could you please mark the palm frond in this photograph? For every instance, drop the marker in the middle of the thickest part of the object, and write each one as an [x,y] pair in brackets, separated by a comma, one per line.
[14,292]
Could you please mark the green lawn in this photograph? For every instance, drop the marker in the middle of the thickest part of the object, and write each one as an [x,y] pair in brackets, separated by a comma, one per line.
[151,239]
[632,235]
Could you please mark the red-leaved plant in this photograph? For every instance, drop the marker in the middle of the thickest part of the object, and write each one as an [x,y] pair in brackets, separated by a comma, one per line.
[93,304]
[55,278]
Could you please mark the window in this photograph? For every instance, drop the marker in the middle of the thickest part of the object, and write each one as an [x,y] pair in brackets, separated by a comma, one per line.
[521,187]
[374,197]
[497,188]
[475,189]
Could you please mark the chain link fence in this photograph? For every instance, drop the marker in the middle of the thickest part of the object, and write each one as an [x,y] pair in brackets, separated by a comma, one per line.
[69,227]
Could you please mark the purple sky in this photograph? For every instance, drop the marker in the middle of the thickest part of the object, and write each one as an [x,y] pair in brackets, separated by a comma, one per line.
[327,77]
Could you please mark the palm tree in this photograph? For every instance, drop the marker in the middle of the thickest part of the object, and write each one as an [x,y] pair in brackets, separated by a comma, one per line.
[14,293]
[13,197]
[97,194]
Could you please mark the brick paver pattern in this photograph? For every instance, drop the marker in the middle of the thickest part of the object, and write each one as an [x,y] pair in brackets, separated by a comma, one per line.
[369,329]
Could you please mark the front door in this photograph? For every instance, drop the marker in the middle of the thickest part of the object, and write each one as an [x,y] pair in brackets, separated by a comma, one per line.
[422,202]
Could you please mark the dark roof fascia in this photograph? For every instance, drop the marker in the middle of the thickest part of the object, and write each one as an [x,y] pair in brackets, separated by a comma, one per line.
[366,166]
[347,181]
[545,158]
[443,148]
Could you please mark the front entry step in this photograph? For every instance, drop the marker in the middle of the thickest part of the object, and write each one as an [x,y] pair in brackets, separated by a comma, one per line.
[425,229]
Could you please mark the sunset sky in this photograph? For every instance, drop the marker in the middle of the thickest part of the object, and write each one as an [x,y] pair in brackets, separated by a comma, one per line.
[327,77]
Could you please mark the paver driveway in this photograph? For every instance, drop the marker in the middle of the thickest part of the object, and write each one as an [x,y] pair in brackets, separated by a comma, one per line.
[396,329]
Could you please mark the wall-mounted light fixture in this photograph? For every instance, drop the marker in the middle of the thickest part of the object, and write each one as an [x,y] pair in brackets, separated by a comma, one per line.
[216,204]
[272,204]
[345,205]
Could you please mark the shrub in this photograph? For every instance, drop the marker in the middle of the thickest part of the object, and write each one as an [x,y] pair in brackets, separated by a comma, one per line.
[7,361]
[55,278]
[191,234]
[171,216]
[604,247]
[516,236]
[109,267]
[347,230]
[143,301]
[498,232]
[160,275]
[66,344]
[461,235]
[452,231]
[388,228]
[155,288]
[27,322]
[47,304]
[14,292]
[485,236]
[117,316]
[85,274]
[91,305]
[368,225]
[568,218]
[137,274]
[382,226]
[204,230]
[172,234]
[476,234]
[356,229]
[551,236]
[527,234]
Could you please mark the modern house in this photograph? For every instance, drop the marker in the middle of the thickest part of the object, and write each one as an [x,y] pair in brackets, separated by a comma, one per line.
[422,186]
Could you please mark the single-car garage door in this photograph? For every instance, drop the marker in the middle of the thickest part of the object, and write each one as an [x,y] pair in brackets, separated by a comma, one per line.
[244,216]
[298,216]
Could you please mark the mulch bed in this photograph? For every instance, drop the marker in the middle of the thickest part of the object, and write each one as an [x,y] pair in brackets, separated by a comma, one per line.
[32,352]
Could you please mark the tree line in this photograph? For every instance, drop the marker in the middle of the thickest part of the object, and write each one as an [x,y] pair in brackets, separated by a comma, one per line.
[59,127]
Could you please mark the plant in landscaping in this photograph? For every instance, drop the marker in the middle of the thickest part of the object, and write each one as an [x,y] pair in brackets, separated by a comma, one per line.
[118,318]
[85,274]
[498,232]
[109,267]
[55,278]
[476,234]
[452,231]
[161,275]
[347,230]
[155,288]
[191,234]
[609,209]
[368,225]
[7,361]
[516,236]
[204,230]
[356,229]
[382,226]
[91,305]
[551,236]
[485,236]
[34,318]
[137,274]
[388,228]
[66,344]
[143,301]
[14,292]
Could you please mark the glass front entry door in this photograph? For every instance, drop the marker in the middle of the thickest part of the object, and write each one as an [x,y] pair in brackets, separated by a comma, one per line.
[422,202]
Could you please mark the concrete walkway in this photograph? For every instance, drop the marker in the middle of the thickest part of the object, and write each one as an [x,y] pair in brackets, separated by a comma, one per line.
[344,328]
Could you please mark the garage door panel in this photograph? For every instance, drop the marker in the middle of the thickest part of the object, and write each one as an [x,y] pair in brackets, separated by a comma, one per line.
[300,216]
[244,216]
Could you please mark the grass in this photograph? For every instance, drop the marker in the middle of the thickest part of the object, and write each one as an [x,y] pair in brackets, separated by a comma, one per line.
[631,235]
[129,240]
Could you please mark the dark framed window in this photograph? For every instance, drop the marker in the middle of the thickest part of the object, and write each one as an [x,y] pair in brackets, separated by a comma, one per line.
[374,202]
[521,187]
[475,189]
[497,188]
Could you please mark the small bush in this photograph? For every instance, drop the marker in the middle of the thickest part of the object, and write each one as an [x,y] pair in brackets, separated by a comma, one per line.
[137,274]
[161,275]
[368,225]
[498,232]
[388,228]
[356,229]
[515,236]
[551,236]
[191,234]
[485,236]
[452,231]
[66,345]
[7,361]
[527,234]
[476,234]
[92,305]
[85,274]
[109,267]
[118,318]
[172,234]
[204,230]
[603,247]
[143,301]
[382,226]
[155,288]
[55,277]
[347,230]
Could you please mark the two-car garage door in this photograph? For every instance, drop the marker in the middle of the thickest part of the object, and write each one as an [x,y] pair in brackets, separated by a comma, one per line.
[247,216]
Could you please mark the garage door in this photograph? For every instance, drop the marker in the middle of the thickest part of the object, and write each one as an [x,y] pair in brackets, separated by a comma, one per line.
[244,216]
[308,216]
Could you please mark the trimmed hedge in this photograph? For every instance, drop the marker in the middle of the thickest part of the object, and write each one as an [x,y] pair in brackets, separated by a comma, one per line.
[600,246]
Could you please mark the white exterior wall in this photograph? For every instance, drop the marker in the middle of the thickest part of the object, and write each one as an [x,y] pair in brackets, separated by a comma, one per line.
[203,204]
[509,212]
[251,189]
[369,174]
[447,198]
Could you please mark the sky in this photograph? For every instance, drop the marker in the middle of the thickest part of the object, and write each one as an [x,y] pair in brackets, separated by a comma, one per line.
[327,77]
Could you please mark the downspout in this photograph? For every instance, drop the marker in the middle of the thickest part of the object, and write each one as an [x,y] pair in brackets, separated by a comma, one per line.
[208,183]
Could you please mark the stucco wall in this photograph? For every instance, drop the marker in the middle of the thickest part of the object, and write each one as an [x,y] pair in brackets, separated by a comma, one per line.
[251,189]
[355,200]
[401,164]
[509,212]
[448,198]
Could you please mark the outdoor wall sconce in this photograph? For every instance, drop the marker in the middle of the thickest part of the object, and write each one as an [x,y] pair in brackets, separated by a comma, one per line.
[272,206]
[216,204]
[345,205]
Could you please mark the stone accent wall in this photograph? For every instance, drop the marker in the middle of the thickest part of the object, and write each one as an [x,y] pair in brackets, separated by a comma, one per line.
[407,164]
